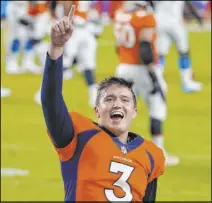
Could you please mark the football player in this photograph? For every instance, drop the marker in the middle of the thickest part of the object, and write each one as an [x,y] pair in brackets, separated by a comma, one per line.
[19,26]
[94,26]
[37,23]
[16,35]
[134,29]
[99,161]
[171,28]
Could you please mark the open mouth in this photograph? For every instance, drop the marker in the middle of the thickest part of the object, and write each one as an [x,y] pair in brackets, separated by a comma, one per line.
[117,115]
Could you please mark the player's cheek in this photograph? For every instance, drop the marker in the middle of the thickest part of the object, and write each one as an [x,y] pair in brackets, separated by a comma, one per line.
[127,121]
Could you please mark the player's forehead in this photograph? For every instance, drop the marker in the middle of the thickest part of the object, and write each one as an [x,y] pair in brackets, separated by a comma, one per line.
[117,91]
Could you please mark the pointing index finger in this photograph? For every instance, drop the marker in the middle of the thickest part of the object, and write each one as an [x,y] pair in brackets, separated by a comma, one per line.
[71,13]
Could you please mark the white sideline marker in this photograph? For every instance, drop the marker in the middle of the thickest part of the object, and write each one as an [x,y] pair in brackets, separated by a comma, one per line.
[11,172]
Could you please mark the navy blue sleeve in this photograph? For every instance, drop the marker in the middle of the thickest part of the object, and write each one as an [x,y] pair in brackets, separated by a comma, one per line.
[150,193]
[57,118]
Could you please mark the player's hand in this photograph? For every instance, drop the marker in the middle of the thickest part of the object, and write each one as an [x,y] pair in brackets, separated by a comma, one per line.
[62,30]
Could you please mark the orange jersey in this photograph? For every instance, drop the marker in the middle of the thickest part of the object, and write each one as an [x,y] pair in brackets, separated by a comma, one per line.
[114,6]
[37,7]
[81,11]
[96,166]
[127,28]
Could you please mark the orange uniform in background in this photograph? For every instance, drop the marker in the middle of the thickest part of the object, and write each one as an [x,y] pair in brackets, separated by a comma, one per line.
[82,9]
[114,6]
[40,18]
[38,7]
[127,27]
[96,166]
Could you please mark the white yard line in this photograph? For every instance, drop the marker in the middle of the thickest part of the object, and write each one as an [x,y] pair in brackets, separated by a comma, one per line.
[11,172]
[18,147]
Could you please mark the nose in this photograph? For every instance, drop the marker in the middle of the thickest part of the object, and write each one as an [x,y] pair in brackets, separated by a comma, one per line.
[117,103]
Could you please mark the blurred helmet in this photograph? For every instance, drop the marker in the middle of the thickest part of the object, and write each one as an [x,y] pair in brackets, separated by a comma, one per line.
[131,5]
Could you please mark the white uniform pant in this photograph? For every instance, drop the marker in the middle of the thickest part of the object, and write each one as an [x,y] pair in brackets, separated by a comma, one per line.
[16,10]
[41,25]
[143,86]
[82,45]
[171,31]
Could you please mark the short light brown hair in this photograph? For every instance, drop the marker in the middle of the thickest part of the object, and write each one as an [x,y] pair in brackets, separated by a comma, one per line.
[104,84]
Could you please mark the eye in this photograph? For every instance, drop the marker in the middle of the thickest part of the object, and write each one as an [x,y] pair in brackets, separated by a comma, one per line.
[125,100]
[109,100]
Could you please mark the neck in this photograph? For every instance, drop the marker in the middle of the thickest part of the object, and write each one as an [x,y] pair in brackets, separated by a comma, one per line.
[123,137]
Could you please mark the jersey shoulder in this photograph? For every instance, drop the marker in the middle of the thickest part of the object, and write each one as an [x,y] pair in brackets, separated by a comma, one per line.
[81,123]
[156,152]
[82,126]
[142,18]
[157,159]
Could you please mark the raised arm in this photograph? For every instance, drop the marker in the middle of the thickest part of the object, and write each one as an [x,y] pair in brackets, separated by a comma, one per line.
[147,54]
[57,118]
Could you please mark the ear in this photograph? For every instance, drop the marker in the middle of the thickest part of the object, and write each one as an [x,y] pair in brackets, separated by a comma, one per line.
[135,113]
[96,111]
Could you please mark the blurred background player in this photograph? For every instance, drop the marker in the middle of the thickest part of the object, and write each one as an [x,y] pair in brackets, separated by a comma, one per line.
[114,6]
[83,46]
[37,22]
[16,35]
[17,11]
[171,28]
[5,92]
[95,27]
[134,29]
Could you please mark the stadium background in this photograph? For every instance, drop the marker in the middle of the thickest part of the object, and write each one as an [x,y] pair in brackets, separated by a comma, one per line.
[25,145]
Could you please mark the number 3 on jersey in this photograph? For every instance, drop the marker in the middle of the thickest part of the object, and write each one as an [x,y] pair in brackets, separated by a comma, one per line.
[122,183]
[125,35]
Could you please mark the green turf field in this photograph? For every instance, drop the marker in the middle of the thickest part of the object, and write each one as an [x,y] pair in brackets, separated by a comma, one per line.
[25,144]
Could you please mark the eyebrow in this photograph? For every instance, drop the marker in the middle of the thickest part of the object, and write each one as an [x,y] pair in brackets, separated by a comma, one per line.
[125,96]
[112,95]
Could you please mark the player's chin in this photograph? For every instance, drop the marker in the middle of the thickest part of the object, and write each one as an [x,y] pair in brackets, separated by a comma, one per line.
[117,124]
[117,130]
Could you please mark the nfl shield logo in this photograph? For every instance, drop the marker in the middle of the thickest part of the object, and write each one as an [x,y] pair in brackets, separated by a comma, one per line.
[123,149]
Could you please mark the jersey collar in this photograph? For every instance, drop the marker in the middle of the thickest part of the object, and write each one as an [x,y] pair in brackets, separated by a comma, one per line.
[131,136]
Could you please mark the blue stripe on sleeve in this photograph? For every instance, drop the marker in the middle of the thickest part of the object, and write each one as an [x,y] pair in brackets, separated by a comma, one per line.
[152,163]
